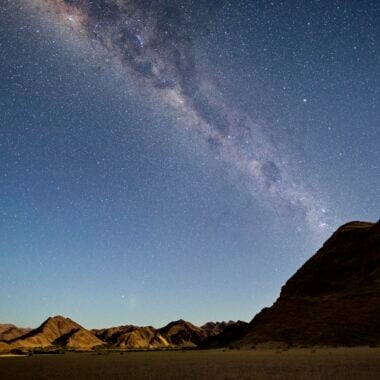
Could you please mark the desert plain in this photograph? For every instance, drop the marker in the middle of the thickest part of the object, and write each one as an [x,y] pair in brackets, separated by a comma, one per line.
[362,363]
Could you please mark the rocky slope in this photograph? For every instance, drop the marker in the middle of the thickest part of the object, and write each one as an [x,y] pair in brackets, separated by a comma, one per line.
[4,347]
[333,299]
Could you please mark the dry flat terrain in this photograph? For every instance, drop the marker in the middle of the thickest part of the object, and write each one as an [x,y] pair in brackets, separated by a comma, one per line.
[294,364]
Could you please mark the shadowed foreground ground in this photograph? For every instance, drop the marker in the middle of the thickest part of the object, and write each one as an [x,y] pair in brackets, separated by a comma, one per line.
[342,363]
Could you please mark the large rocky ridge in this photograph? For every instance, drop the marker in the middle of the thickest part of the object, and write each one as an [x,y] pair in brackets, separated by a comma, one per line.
[333,299]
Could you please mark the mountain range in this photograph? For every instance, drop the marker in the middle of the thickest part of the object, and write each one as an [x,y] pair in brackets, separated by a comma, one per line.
[61,332]
[333,299]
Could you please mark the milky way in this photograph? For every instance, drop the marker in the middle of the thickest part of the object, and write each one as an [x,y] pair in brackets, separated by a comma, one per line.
[153,42]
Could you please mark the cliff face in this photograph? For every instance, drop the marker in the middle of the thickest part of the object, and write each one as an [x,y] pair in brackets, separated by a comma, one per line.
[333,299]
[348,263]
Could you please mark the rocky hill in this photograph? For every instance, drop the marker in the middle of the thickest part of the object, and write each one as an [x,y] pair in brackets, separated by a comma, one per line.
[57,331]
[183,334]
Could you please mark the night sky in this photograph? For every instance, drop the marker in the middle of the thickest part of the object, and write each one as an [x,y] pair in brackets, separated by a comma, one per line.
[179,159]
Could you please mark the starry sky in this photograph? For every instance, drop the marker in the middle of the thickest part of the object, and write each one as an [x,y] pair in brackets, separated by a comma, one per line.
[179,159]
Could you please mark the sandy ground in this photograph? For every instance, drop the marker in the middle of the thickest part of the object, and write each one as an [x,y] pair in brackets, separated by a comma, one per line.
[294,364]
